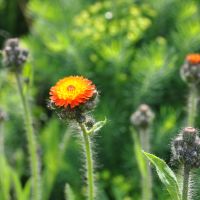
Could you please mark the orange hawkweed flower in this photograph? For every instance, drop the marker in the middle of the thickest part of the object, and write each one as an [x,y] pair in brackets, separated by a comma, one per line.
[72,91]
[193,58]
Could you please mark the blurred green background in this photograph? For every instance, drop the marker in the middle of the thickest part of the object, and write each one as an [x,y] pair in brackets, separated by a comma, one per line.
[132,50]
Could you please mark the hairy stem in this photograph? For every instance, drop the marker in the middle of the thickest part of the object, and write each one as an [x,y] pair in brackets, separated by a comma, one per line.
[146,180]
[1,139]
[186,177]
[32,145]
[192,105]
[89,162]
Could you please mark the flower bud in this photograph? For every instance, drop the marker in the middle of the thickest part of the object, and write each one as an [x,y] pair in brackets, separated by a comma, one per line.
[13,55]
[143,117]
[186,148]
[189,135]
[89,122]
[190,71]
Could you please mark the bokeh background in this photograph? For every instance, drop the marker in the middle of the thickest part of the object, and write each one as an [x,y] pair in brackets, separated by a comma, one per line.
[132,50]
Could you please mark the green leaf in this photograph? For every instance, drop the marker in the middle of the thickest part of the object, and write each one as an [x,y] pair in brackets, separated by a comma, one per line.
[5,178]
[27,190]
[138,154]
[69,194]
[17,184]
[97,126]
[166,175]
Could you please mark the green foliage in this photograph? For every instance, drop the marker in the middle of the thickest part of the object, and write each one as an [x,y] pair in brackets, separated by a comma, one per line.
[166,175]
[5,179]
[133,51]
[20,193]
[69,193]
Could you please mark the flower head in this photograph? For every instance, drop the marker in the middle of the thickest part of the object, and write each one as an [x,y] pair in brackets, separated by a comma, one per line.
[72,97]
[193,58]
[72,91]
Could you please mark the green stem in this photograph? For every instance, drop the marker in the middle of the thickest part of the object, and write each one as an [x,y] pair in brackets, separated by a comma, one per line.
[192,105]
[3,167]
[32,145]
[89,160]
[146,180]
[1,139]
[186,177]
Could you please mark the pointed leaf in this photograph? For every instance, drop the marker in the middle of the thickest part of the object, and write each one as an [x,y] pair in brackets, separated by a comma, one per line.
[166,175]
[27,190]
[69,194]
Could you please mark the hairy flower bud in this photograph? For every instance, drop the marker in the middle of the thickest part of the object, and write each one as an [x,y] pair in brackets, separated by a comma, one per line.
[13,55]
[190,71]
[186,148]
[143,117]
[89,122]
[189,135]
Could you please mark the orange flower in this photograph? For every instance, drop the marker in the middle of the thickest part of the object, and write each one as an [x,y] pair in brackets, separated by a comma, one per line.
[193,58]
[72,91]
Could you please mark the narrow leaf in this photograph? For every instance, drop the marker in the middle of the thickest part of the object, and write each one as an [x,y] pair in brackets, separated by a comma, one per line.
[27,190]
[69,194]
[166,175]
[17,185]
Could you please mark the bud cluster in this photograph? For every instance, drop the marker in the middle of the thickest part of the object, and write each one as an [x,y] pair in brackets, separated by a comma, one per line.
[143,117]
[186,148]
[190,71]
[78,113]
[14,55]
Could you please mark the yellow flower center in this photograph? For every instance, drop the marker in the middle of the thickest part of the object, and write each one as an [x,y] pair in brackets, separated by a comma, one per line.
[70,89]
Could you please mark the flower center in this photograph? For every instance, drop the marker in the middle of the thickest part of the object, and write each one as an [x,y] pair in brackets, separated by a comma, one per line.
[70,88]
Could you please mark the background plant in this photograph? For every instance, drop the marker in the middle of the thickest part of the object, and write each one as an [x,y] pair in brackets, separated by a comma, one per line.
[132,65]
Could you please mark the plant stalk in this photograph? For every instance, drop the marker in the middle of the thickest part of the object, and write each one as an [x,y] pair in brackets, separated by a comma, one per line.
[146,180]
[1,139]
[89,162]
[192,105]
[32,145]
[3,167]
[186,177]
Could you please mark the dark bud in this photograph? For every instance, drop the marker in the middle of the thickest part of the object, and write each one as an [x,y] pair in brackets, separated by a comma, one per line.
[143,117]
[13,55]
[186,148]
[189,135]
[89,122]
